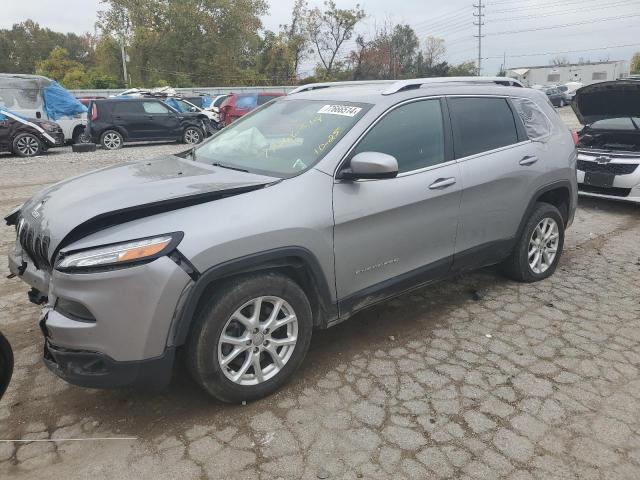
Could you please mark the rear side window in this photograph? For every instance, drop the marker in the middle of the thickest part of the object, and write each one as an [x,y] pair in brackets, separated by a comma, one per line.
[154,107]
[244,102]
[412,133]
[536,123]
[481,124]
[127,107]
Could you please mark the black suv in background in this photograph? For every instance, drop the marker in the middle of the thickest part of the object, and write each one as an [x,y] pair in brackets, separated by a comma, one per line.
[113,121]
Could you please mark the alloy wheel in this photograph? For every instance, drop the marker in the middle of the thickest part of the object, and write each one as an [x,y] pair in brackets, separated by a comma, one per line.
[543,245]
[27,145]
[192,136]
[258,340]
[112,141]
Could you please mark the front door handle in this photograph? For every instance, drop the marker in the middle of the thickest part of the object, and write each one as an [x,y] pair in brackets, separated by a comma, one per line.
[442,183]
[528,160]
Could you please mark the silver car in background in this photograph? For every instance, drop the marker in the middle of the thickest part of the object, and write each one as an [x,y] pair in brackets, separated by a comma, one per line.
[308,210]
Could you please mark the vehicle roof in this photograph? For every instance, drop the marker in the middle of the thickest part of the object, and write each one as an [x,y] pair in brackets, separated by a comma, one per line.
[373,93]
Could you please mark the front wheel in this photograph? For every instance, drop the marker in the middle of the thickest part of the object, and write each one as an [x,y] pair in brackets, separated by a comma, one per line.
[192,135]
[27,145]
[536,255]
[250,337]
[6,364]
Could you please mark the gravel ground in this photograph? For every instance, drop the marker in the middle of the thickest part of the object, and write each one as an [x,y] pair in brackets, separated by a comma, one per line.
[479,377]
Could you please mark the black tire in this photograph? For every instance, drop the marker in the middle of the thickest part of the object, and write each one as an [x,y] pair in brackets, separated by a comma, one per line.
[6,364]
[79,136]
[27,145]
[111,140]
[211,318]
[517,265]
[190,134]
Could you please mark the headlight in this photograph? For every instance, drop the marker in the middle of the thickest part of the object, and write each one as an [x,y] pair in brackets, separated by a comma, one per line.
[49,127]
[120,254]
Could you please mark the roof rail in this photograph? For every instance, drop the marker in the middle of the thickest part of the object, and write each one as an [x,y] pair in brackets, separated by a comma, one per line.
[401,85]
[316,86]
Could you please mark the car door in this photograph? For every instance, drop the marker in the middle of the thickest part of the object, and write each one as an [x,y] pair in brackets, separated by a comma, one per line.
[391,234]
[163,120]
[500,170]
[130,116]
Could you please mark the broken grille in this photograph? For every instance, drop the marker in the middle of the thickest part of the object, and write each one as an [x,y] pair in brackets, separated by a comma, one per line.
[36,246]
[615,168]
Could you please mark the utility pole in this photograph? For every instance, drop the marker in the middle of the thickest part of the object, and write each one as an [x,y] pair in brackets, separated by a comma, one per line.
[479,23]
[124,60]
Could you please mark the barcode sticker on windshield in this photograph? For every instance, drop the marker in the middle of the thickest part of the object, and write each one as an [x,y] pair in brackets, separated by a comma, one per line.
[345,110]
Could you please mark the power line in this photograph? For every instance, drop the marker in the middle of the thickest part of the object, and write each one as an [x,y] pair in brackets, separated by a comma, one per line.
[538,7]
[550,27]
[565,51]
[564,12]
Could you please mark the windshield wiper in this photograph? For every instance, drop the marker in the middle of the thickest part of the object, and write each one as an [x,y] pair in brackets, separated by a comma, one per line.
[222,165]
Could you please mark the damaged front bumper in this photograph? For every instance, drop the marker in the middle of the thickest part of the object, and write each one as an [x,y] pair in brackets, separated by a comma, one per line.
[615,176]
[119,337]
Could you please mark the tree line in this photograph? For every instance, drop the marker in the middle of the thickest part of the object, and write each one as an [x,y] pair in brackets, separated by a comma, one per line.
[187,43]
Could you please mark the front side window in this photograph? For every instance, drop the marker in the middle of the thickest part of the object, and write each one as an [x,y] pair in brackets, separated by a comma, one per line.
[535,122]
[481,124]
[154,107]
[283,138]
[412,133]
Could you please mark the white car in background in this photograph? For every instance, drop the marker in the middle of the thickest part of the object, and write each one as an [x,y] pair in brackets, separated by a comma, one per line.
[34,96]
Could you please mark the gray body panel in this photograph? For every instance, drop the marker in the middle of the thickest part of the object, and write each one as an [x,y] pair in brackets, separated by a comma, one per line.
[363,234]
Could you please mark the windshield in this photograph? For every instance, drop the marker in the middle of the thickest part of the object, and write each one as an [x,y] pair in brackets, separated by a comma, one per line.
[282,138]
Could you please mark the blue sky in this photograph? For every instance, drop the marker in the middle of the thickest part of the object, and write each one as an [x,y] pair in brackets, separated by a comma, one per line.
[613,23]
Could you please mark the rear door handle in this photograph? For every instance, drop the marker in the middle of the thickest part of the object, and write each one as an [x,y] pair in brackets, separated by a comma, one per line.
[442,183]
[528,160]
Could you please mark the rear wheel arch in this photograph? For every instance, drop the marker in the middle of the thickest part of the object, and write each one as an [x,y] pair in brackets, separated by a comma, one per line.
[297,263]
[557,194]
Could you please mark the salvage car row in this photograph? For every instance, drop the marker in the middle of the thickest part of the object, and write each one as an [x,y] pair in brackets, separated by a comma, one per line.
[36,113]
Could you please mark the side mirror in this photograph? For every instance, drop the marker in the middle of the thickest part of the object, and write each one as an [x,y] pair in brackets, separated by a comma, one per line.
[193,109]
[370,165]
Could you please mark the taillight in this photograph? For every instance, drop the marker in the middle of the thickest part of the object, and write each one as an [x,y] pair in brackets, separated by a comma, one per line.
[94,112]
[576,138]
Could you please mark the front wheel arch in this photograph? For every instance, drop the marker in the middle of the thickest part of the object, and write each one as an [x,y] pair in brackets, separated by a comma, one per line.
[298,263]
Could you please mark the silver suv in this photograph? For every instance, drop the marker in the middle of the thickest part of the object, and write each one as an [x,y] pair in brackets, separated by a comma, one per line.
[313,207]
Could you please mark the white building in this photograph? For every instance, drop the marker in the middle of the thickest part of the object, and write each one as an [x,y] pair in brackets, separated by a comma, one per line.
[586,73]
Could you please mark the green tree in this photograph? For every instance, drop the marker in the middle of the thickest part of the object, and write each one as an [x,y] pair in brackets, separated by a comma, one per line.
[635,63]
[58,66]
[464,69]
[328,29]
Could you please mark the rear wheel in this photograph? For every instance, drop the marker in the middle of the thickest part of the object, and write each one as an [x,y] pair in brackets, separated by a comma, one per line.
[111,140]
[249,337]
[536,255]
[27,145]
[192,135]
[79,136]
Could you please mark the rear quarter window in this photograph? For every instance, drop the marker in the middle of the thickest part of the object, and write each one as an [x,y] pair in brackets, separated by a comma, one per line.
[126,107]
[244,102]
[481,124]
[535,122]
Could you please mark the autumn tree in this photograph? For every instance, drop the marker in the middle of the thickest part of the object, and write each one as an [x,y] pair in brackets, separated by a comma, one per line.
[328,29]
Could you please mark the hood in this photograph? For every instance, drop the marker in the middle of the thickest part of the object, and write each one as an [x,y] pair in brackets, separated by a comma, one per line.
[617,99]
[77,207]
